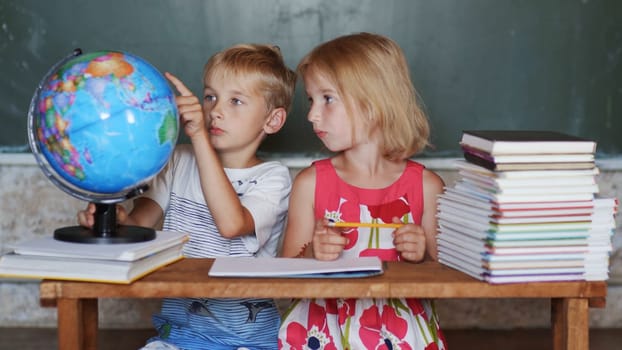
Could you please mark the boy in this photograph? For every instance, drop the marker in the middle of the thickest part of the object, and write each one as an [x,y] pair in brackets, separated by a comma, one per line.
[231,202]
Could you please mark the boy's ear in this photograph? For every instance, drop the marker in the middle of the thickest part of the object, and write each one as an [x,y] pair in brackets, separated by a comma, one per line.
[275,120]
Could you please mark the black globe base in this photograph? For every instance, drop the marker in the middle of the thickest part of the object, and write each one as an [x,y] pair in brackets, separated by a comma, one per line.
[122,234]
[105,229]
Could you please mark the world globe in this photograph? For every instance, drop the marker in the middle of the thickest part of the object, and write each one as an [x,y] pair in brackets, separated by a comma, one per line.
[100,126]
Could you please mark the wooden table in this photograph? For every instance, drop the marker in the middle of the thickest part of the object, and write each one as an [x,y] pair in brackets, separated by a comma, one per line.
[78,310]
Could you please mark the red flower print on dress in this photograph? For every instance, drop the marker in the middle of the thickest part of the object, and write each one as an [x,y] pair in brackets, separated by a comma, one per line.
[330,306]
[353,236]
[345,211]
[387,211]
[384,331]
[418,310]
[315,335]
[432,346]
[385,254]
[347,308]
[416,307]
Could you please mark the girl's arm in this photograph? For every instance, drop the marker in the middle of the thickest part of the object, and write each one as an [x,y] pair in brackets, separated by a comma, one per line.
[432,187]
[300,216]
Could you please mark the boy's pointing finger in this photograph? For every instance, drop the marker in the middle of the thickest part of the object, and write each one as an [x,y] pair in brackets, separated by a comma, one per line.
[183,90]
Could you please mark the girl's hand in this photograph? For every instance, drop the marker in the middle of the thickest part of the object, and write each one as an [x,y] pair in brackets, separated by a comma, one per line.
[189,108]
[328,242]
[86,217]
[409,240]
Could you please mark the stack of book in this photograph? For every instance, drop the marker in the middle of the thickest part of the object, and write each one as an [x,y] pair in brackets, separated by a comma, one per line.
[47,258]
[526,208]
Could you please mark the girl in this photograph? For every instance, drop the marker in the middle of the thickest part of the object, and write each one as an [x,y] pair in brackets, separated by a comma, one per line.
[364,108]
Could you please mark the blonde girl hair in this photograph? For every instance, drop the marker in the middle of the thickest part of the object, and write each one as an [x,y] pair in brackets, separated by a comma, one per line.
[263,64]
[371,71]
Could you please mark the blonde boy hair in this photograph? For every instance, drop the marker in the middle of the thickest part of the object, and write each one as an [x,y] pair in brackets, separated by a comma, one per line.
[263,64]
[371,72]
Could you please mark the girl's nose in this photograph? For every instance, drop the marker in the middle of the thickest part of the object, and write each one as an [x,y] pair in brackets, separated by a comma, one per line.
[313,116]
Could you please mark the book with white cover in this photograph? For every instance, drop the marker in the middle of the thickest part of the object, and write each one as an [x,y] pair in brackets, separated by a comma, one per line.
[449,227]
[526,142]
[48,246]
[534,196]
[485,202]
[524,275]
[499,217]
[462,164]
[491,209]
[296,267]
[489,181]
[528,158]
[18,266]
[530,166]
[526,190]
[46,257]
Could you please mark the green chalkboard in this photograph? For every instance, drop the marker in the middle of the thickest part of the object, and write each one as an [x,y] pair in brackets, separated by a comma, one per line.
[490,64]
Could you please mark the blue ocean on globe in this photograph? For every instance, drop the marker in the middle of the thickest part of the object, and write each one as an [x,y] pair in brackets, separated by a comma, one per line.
[105,121]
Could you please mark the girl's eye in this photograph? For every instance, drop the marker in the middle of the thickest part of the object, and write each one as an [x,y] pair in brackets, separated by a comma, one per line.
[236,101]
[210,98]
[328,99]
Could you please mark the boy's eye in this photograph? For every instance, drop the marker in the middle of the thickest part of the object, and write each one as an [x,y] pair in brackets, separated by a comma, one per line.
[236,101]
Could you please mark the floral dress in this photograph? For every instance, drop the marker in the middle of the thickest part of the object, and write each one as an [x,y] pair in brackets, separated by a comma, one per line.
[397,323]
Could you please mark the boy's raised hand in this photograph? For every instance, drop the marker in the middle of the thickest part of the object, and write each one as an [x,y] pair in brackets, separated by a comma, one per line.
[328,242]
[189,107]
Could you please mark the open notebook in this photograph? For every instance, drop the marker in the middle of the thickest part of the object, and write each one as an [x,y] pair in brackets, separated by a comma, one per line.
[296,267]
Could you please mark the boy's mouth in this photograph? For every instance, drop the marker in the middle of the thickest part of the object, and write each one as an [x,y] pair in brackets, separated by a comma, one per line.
[216,131]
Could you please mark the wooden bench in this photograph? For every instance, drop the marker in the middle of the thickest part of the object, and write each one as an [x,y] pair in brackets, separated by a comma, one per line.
[77,302]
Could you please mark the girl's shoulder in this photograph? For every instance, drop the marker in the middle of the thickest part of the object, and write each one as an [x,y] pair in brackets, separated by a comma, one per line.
[307,175]
[432,181]
[414,165]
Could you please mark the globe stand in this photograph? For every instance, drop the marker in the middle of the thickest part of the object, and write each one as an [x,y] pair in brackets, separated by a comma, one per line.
[105,229]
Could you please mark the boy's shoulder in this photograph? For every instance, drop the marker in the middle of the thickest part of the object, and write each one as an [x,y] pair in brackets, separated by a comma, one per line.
[183,154]
[271,168]
[183,150]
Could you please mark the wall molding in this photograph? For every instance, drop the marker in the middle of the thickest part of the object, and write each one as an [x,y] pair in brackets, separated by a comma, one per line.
[294,162]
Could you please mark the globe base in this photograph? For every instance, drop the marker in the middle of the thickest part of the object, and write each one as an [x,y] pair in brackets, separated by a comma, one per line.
[122,234]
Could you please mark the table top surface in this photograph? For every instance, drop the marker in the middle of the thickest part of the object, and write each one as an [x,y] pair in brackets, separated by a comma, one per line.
[189,278]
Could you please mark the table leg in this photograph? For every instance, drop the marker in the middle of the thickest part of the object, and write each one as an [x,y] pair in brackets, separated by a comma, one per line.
[570,323]
[77,324]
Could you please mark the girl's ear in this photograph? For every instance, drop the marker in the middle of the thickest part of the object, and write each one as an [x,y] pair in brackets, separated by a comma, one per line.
[275,120]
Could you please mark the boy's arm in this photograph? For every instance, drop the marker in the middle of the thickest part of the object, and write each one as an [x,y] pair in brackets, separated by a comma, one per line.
[146,213]
[301,215]
[432,187]
[231,217]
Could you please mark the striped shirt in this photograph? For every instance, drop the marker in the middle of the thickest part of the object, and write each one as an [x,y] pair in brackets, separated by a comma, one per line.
[205,323]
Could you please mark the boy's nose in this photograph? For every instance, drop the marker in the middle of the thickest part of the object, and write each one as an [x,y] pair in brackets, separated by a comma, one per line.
[215,112]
